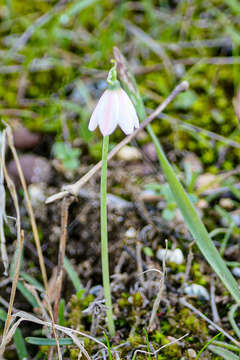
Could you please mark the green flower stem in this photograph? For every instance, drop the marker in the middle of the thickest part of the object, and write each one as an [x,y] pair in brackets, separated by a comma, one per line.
[104,237]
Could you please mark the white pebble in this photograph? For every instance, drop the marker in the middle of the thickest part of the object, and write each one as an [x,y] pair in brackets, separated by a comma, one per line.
[197,291]
[129,153]
[236,271]
[174,256]
[131,233]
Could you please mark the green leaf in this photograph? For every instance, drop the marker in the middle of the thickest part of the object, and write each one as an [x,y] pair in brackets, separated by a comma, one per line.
[27,294]
[61,311]
[20,345]
[185,100]
[73,275]
[68,156]
[31,280]
[48,342]
[224,353]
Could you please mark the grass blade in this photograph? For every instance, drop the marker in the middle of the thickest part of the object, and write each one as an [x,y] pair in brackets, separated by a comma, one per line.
[48,342]
[224,353]
[73,275]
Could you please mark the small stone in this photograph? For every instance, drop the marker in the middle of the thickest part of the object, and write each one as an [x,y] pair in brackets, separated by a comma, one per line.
[25,139]
[202,204]
[236,271]
[192,353]
[226,203]
[96,290]
[235,216]
[173,256]
[193,162]
[150,151]
[131,233]
[129,153]
[36,169]
[207,181]
[37,197]
[197,291]
[149,196]
[36,193]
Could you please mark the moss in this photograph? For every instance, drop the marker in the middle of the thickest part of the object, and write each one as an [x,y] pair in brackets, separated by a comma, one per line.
[188,322]
[197,275]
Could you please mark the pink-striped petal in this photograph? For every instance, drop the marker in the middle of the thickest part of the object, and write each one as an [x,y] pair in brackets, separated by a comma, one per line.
[108,116]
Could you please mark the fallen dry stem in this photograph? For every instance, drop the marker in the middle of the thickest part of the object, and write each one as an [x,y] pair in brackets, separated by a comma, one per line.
[158,350]
[74,188]
[13,292]
[61,253]
[29,206]
[196,311]
[160,292]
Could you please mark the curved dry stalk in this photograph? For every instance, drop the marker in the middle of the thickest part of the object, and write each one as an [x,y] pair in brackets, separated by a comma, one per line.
[160,291]
[7,333]
[196,311]
[157,351]
[29,205]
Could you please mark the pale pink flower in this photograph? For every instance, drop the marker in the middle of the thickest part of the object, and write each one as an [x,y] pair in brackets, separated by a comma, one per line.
[114,108]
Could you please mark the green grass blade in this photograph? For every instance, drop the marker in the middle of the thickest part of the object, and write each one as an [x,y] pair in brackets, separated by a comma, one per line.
[73,275]
[224,353]
[20,345]
[48,342]
[191,217]
[61,313]
[195,225]
[108,346]
[28,278]
[206,345]
[27,294]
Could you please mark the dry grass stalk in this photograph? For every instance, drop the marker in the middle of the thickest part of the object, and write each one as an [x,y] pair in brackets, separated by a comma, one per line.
[54,332]
[24,316]
[29,206]
[158,350]
[196,311]
[216,318]
[12,296]
[160,291]
[139,263]
[61,253]
[188,266]
[3,216]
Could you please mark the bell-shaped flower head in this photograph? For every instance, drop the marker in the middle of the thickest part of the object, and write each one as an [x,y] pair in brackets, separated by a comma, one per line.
[114,108]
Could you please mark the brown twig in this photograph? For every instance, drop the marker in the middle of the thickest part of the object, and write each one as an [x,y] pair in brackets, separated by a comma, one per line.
[61,253]
[13,292]
[188,266]
[160,292]
[3,216]
[74,188]
[29,206]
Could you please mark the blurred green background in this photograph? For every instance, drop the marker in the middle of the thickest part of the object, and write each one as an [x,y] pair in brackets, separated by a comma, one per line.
[54,57]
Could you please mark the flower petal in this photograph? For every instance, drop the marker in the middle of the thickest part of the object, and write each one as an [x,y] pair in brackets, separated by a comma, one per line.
[108,116]
[93,123]
[128,119]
